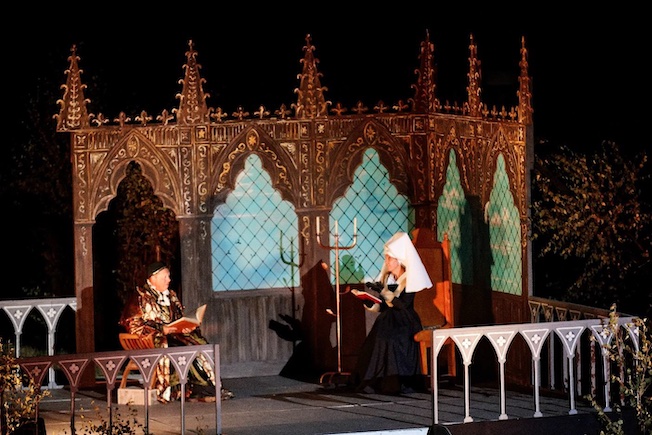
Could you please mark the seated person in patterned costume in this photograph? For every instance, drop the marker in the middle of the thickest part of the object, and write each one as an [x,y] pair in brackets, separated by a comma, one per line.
[149,311]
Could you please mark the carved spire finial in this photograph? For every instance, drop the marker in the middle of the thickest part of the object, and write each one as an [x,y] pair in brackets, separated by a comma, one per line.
[475,76]
[524,92]
[73,114]
[192,106]
[311,102]
[425,99]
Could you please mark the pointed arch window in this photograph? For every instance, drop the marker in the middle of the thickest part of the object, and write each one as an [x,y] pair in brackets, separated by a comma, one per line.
[380,211]
[246,234]
[504,235]
[454,219]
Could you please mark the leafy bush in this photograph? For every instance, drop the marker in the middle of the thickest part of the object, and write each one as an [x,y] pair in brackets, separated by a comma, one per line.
[19,395]
[632,372]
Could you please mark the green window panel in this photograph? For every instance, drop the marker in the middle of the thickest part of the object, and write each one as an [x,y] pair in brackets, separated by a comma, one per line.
[504,235]
[380,212]
[454,219]
[246,235]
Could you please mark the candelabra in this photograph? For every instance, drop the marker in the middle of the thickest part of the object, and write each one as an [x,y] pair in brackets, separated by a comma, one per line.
[338,319]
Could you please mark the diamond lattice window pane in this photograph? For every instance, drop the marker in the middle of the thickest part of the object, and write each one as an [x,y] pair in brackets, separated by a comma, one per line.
[380,212]
[247,231]
[454,219]
[504,234]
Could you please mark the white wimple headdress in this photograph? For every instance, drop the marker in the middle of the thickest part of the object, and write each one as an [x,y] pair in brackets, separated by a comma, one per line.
[400,246]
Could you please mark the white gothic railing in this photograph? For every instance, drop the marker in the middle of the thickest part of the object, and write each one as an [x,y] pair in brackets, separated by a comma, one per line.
[50,309]
[554,341]
[536,336]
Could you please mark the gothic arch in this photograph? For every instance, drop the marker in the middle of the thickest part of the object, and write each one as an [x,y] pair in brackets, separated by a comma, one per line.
[193,155]
[276,160]
[464,158]
[391,151]
[159,169]
[499,144]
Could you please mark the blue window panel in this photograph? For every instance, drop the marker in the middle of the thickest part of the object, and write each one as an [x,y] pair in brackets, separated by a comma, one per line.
[380,212]
[246,234]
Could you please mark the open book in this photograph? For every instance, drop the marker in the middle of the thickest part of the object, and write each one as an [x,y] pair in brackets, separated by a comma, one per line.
[190,322]
[366,296]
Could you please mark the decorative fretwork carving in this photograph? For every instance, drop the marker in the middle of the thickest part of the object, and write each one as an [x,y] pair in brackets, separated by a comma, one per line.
[73,114]
[186,180]
[202,178]
[276,164]
[240,113]
[122,119]
[320,172]
[283,112]
[218,115]
[425,98]
[514,167]
[143,118]
[360,108]
[304,176]
[165,117]
[98,120]
[418,157]
[310,102]
[338,109]
[400,106]
[192,99]
[261,113]
[475,75]
[524,93]
[380,107]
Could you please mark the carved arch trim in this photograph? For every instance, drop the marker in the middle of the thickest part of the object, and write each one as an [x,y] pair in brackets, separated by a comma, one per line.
[514,159]
[391,151]
[159,168]
[463,157]
[275,159]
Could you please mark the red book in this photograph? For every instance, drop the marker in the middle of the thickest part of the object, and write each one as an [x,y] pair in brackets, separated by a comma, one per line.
[366,296]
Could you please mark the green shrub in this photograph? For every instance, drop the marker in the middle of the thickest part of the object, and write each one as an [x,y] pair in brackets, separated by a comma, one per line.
[632,372]
[19,395]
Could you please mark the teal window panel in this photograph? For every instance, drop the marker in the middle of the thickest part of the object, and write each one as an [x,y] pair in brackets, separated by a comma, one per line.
[504,234]
[246,235]
[454,219]
[380,212]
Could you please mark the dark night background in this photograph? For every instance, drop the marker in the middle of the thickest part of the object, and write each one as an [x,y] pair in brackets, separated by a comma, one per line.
[587,73]
[589,81]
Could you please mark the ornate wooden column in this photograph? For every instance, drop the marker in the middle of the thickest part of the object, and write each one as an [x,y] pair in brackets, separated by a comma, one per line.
[85,313]
[196,273]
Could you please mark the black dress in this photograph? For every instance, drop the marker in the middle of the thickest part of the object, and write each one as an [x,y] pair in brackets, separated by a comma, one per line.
[389,360]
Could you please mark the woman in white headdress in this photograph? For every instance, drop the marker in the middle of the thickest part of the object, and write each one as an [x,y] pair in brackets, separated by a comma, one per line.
[388,361]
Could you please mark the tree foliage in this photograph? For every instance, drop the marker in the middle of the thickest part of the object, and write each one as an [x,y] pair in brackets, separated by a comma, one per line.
[631,362]
[143,230]
[35,192]
[590,210]
[19,394]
